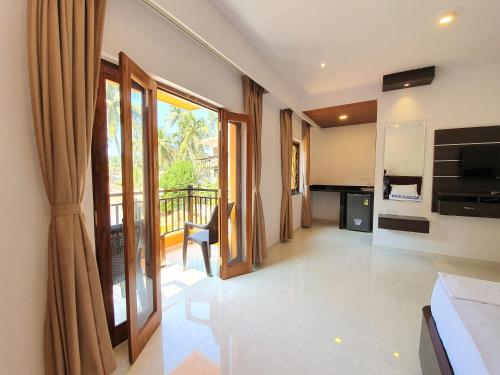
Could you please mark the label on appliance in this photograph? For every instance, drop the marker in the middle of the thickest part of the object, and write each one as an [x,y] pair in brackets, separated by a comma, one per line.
[358,221]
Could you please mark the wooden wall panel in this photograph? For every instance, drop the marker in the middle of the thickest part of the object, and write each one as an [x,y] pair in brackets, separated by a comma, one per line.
[481,134]
[448,145]
[448,152]
[447,168]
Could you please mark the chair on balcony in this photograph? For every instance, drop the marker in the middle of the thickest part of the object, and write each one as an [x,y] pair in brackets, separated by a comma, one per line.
[205,236]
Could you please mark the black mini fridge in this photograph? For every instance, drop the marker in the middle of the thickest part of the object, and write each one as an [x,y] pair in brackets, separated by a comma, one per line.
[359,212]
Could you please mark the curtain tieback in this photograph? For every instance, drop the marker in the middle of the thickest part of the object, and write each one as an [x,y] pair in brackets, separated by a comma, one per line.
[66,209]
[256,189]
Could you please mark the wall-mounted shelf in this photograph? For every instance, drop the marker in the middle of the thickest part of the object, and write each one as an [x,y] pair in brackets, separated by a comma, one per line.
[473,205]
[453,194]
[416,224]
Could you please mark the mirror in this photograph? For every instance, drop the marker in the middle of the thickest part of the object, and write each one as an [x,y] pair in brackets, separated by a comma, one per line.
[404,161]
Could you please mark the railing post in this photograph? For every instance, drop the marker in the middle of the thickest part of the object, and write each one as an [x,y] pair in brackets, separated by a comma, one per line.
[190,202]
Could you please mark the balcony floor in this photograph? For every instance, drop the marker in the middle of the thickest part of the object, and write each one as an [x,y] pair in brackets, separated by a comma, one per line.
[174,280]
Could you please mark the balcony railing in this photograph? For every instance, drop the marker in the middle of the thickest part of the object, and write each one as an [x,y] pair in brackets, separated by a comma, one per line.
[176,207]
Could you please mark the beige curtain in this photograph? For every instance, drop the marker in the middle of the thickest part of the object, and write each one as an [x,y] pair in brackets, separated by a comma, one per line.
[64,48]
[252,95]
[286,221]
[306,216]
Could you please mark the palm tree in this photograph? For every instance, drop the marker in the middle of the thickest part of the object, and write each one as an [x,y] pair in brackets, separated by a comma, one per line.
[113,114]
[174,115]
[166,149]
[189,136]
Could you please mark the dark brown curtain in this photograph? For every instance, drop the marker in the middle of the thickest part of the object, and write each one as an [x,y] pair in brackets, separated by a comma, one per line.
[64,49]
[306,216]
[286,220]
[252,95]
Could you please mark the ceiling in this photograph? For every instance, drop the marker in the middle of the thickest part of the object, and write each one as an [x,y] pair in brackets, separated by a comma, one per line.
[356,113]
[360,41]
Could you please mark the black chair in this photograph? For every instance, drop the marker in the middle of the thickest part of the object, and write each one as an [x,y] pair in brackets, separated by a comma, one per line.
[206,235]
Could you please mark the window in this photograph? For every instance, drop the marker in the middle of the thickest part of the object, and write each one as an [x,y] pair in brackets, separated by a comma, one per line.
[295,174]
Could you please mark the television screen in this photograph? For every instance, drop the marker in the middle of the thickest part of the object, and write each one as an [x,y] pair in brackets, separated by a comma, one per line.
[481,161]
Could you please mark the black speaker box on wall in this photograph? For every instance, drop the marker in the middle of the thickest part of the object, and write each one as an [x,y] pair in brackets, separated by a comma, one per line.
[409,78]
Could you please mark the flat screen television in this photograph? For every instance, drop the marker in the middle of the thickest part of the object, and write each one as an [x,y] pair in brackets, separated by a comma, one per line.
[481,161]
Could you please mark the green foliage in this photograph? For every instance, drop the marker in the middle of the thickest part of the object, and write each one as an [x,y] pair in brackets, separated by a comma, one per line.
[167,150]
[184,156]
[180,174]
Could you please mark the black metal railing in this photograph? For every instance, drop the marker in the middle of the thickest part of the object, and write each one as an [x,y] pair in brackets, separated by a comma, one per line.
[176,207]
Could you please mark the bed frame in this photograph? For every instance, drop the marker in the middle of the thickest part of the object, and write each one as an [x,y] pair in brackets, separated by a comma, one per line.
[433,357]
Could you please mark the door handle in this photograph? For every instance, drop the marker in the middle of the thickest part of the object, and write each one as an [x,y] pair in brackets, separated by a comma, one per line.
[468,208]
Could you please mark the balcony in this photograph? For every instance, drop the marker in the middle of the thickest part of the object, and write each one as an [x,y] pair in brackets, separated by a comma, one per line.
[176,207]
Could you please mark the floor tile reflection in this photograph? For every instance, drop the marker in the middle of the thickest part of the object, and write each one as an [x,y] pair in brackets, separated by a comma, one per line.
[325,303]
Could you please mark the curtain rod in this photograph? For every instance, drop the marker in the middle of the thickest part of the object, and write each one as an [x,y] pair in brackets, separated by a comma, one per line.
[191,34]
[198,39]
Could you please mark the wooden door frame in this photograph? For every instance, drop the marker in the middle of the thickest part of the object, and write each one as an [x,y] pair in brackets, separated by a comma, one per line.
[129,71]
[227,270]
[100,188]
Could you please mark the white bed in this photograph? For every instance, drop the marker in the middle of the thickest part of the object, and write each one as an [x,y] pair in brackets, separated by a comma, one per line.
[469,330]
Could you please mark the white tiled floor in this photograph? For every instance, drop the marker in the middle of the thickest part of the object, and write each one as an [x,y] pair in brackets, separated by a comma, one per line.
[325,303]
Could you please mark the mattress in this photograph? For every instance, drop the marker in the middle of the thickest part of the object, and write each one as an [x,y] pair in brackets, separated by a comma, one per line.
[469,330]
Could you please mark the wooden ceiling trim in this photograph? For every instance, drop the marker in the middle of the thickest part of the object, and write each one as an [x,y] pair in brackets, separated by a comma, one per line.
[357,113]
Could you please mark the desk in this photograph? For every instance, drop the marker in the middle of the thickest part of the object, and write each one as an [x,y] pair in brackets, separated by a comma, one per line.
[344,190]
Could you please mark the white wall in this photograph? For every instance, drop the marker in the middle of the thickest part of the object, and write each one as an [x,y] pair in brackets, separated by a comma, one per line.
[458,97]
[325,205]
[204,19]
[344,155]
[340,156]
[162,50]
[24,224]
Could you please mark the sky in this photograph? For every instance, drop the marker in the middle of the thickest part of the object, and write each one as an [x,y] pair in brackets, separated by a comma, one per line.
[163,110]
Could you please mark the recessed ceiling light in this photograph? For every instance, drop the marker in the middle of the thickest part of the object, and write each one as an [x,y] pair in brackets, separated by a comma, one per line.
[447,18]
[343,117]
[338,340]
[322,64]
[396,354]
[406,85]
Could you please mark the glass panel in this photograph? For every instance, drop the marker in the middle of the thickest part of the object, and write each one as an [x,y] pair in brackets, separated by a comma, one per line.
[294,182]
[143,244]
[117,244]
[236,146]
